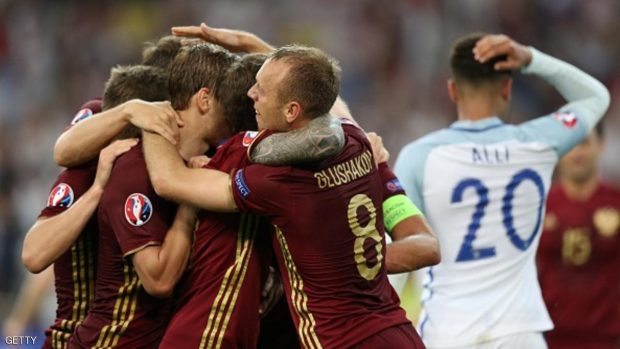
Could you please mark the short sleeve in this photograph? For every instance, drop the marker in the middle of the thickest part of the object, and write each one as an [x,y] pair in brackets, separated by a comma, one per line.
[255,189]
[409,168]
[138,217]
[69,186]
[87,110]
[561,130]
[390,184]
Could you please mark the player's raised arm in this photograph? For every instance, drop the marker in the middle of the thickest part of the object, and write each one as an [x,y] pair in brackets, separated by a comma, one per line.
[203,188]
[231,39]
[50,237]
[83,141]
[586,96]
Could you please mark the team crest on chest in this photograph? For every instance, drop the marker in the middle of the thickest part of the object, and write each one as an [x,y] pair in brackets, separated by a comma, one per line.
[606,220]
[569,119]
[248,138]
[138,209]
[81,115]
[60,196]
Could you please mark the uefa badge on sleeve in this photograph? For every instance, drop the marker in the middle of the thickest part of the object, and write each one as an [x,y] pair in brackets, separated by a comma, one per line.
[60,196]
[138,209]
[569,119]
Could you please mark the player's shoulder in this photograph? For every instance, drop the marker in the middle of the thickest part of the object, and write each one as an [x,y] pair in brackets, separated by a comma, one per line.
[610,190]
[87,110]
[428,142]
[129,168]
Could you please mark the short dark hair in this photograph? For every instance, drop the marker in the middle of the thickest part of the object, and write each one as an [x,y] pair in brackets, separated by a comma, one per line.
[232,94]
[466,69]
[195,67]
[161,53]
[313,79]
[130,82]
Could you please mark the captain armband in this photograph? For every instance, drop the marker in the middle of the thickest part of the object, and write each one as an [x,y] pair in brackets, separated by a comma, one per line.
[398,208]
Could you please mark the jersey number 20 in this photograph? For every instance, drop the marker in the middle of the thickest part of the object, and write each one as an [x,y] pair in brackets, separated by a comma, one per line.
[467,252]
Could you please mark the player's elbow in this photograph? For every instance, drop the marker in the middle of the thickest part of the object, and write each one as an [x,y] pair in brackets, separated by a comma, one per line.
[434,252]
[158,288]
[33,261]
[61,153]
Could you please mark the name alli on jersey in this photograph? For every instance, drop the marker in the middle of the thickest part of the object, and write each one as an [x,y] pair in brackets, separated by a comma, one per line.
[490,155]
[345,172]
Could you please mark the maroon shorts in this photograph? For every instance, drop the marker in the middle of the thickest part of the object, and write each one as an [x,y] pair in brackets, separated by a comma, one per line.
[401,337]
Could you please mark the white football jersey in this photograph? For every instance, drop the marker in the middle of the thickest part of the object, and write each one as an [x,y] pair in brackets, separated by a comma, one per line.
[482,186]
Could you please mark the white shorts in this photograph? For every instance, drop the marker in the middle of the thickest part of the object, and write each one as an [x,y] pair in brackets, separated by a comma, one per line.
[526,340]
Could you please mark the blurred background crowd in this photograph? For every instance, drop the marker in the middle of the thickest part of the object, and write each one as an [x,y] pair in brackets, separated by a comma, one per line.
[54,55]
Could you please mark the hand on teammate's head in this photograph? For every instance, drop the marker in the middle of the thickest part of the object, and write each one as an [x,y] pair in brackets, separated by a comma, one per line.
[490,46]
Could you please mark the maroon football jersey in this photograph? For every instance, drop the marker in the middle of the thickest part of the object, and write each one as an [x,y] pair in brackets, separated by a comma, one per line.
[74,270]
[330,242]
[131,217]
[579,268]
[219,296]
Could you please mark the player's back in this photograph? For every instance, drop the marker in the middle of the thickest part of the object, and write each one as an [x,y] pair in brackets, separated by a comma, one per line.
[329,243]
[482,186]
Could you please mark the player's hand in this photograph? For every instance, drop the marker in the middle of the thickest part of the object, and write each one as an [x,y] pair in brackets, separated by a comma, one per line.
[491,46]
[156,117]
[231,39]
[107,156]
[271,293]
[199,161]
[378,150]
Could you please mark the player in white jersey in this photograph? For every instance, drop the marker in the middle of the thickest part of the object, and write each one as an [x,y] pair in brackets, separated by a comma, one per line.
[482,185]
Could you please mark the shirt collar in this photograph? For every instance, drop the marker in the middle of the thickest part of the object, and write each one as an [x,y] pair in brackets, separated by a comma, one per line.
[477,125]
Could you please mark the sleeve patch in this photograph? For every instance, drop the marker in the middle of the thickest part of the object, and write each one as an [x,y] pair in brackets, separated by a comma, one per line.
[60,196]
[567,118]
[240,184]
[393,185]
[81,115]
[248,138]
[138,209]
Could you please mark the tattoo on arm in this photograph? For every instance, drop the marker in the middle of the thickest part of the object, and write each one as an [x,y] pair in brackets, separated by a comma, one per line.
[322,138]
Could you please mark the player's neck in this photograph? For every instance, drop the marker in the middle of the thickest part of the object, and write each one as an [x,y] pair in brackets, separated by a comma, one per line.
[580,190]
[190,142]
[477,110]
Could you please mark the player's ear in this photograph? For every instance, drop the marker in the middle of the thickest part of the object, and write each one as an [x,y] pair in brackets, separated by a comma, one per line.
[292,110]
[506,89]
[203,100]
[452,90]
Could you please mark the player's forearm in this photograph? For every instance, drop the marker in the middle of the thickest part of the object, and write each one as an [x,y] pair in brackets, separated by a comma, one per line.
[50,237]
[83,141]
[253,44]
[321,138]
[161,160]
[161,267]
[585,95]
[412,253]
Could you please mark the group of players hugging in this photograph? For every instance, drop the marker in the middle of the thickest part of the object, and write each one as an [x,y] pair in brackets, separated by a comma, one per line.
[277,239]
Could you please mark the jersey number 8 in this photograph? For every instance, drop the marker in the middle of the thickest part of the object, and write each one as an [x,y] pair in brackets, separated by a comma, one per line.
[467,252]
[365,232]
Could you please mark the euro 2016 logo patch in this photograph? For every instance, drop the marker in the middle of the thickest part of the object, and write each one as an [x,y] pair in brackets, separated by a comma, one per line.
[81,115]
[138,209]
[569,119]
[393,185]
[60,196]
[248,138]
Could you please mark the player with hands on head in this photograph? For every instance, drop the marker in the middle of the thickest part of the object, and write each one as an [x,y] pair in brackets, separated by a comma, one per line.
[492,179]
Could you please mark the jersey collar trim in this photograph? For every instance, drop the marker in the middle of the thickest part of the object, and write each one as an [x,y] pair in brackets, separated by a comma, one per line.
[477,126]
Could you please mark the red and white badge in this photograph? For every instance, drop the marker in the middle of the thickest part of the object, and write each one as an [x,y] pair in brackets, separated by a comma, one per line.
[60,196]
[81,115]
[569,119]
[138,209]
[249,137]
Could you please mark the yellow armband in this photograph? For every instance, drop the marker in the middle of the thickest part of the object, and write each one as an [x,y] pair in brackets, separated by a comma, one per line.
[396,209]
